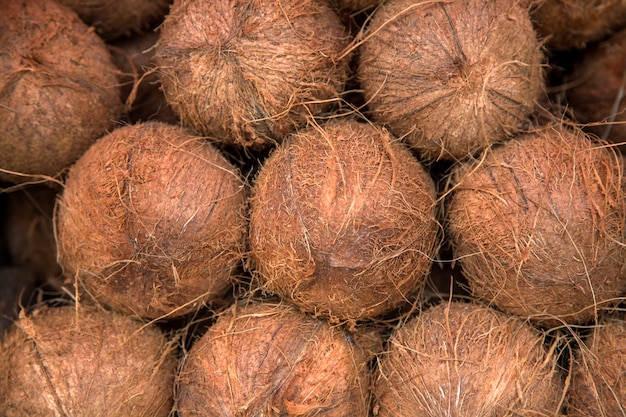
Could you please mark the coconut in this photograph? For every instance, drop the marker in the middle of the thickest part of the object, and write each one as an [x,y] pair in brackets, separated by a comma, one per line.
[537,226]
[598,386]
[342,221]
[250,72]
[269,359]
[451,77]
[58,89]
[574,24]
[117,19]
[460,359]
[65,361]
[151,221]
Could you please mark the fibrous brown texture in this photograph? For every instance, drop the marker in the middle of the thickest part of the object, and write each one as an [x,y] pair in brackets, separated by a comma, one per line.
[58,88]
[271,360]
[343,221]
[451,77]
[538,226]
[250,72]
[573,24]
[458,359]
[598,385]
[60,361]
[113,19]
[151,221]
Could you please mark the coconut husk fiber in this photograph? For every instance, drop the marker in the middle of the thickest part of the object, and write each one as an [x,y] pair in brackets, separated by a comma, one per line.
[537,226]
[461,359]
[151,221]
[268,359]
[451,77]
[343,222]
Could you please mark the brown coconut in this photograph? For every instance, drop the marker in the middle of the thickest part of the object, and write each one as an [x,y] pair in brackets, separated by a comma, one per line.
[58,88]
[151,221]
[451,77]
[264,359]
[598,386]
[574,24]
[64,361]
[459,359]
[250,72]
[114,19]
[537,226]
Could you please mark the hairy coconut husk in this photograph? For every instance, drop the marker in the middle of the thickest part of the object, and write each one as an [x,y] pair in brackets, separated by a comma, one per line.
[250,72]
[537,226]
[269,359]
[58,89]
[343,221]
[574,24]
[598,386]
[451,77]
[114,19]
[66,362]
[151,221]
[461,359]
[17,284]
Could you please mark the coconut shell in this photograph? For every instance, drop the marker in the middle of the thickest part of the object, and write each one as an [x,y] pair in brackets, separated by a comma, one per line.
[537,226]
[451,77]
[458,359]
[343,221]
[58,89]
[65,361]
[250,72]
[268,360]
[598,386]
[151,221]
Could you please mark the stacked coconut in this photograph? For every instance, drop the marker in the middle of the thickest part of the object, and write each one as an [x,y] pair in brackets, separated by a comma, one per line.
[343,208]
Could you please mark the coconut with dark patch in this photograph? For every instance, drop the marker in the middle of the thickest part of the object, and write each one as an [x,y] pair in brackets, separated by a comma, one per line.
[151,221]
[461,359]
[451,77]
[598,386]
[266,359]
[537,226]
[58,89]
[69,361]
[343,221]
[250,72]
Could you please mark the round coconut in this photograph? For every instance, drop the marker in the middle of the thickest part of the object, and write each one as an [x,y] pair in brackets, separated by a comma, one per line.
[65,361]
[342,221]
[58,89]
[537,226]
[151,221]
[451,77]
[574,24]
[460,359]
[268,359]
[250,72]
[598,386]
[114,19]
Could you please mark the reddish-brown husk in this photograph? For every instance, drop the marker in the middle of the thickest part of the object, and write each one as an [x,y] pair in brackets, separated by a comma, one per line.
[264,359]
[343,221]
[151,221]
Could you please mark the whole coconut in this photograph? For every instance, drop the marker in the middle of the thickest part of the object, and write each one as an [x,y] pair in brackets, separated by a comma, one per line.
[58,89]
[451,77]
[537,226]
[250,72]
[598,386]
[65,361]
[151,221]
[459,359]
[343,221]
[265,359]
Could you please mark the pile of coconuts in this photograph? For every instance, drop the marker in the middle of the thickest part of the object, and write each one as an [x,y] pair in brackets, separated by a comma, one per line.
[312,208]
